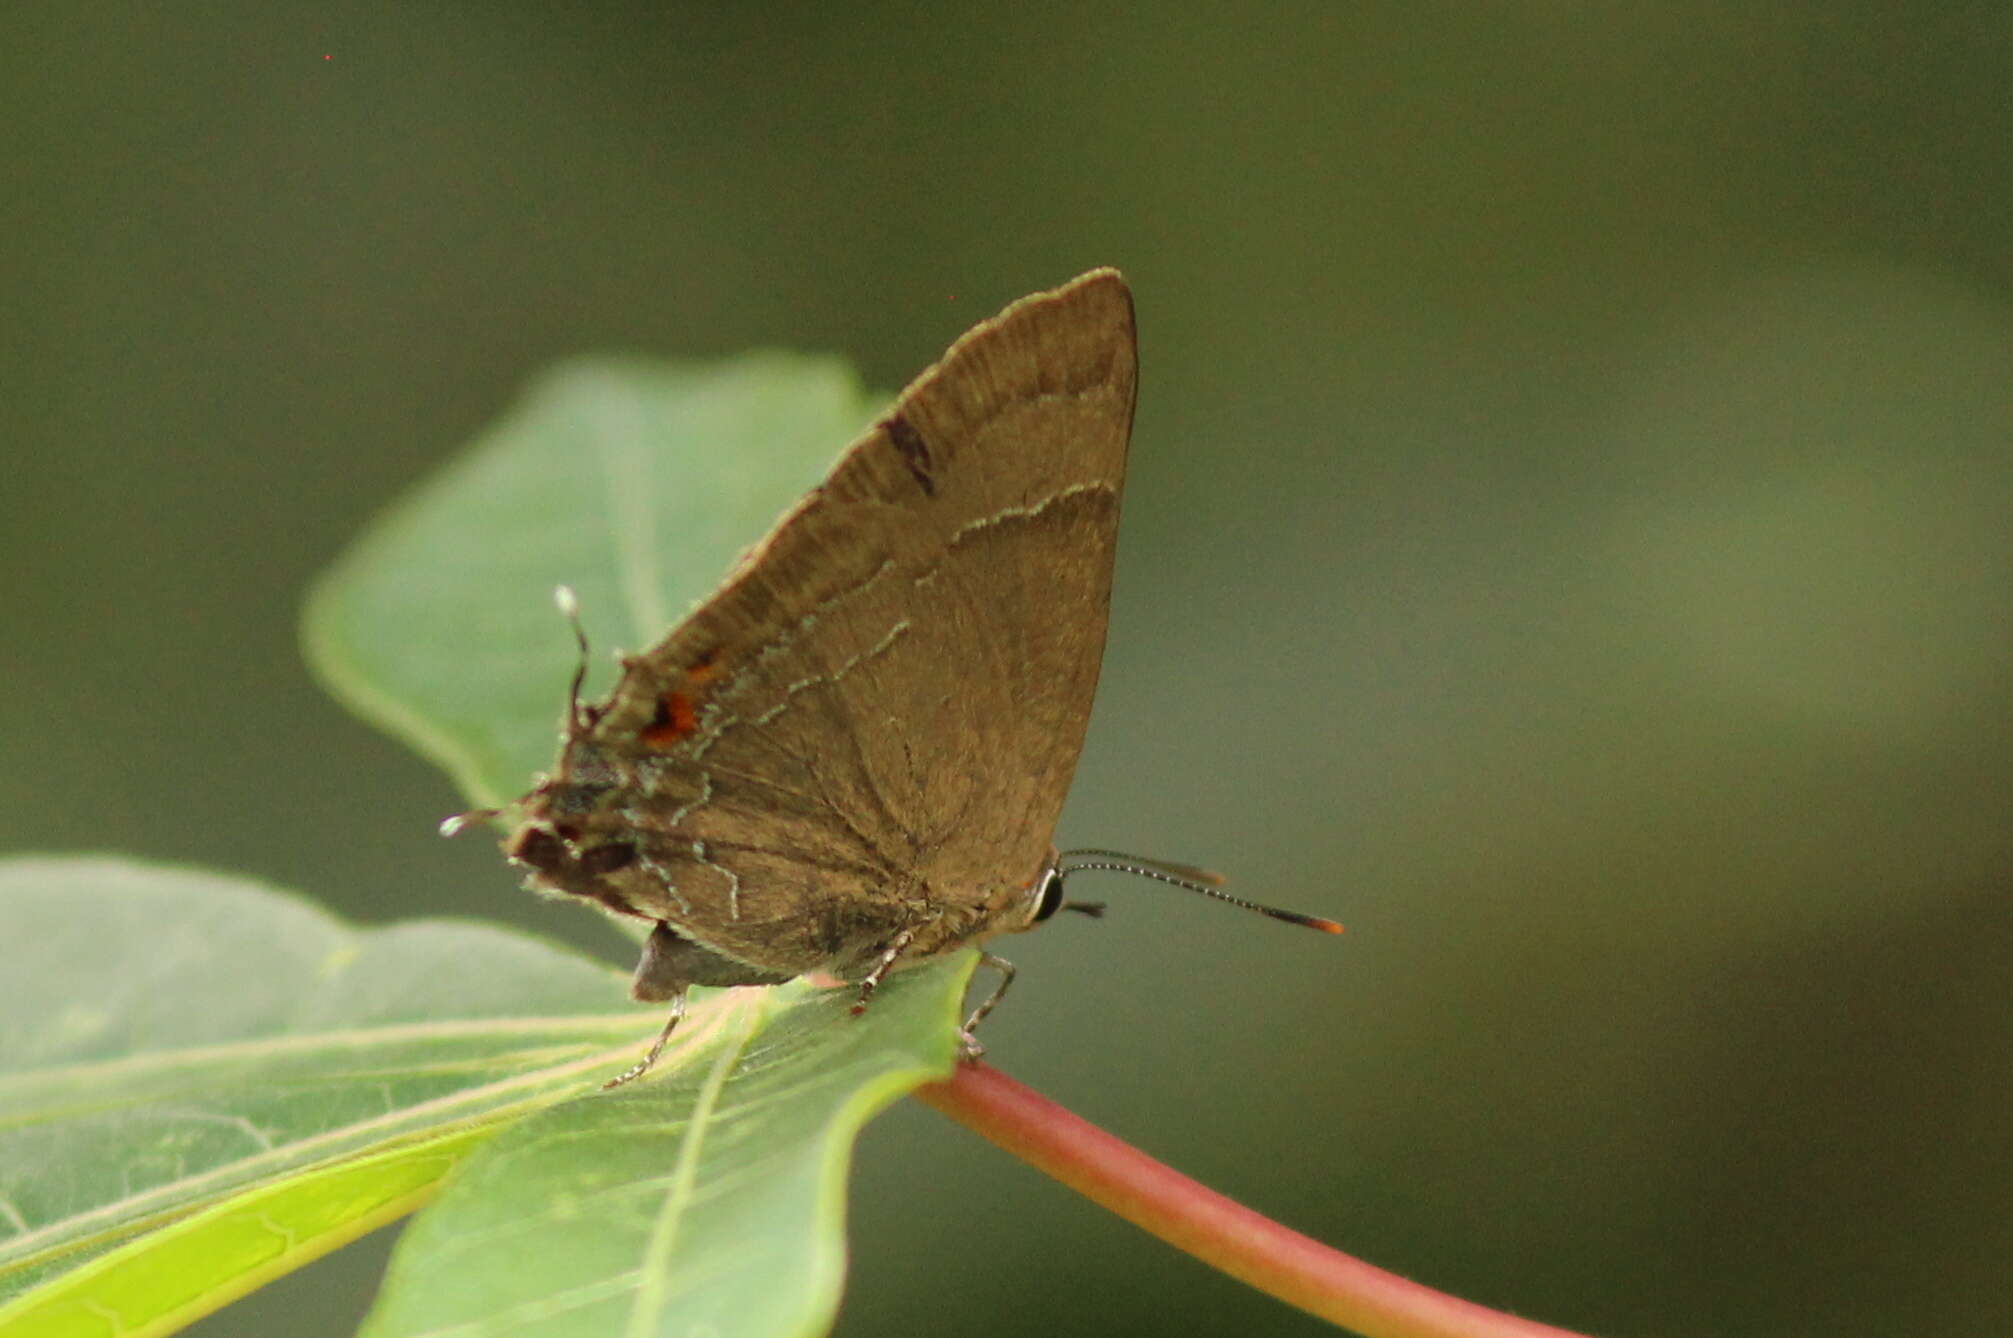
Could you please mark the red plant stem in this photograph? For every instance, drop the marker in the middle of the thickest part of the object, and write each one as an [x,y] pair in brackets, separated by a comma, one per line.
[1297,1269]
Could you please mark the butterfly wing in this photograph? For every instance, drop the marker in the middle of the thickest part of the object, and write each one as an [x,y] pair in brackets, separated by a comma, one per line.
[871,726]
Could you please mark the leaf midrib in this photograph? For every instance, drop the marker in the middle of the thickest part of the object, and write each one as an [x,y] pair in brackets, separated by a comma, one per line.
[129,1067]
[655,1260]
[65,1232]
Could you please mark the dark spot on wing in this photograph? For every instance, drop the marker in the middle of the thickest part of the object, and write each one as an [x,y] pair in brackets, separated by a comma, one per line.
[915,452]
[608,857]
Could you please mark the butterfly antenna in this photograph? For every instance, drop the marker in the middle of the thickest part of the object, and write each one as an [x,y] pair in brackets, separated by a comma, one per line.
[576,717]
[1193,873]
[1183,876]
[569,608]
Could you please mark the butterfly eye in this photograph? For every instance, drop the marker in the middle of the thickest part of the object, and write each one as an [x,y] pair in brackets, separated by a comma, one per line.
[1051,897]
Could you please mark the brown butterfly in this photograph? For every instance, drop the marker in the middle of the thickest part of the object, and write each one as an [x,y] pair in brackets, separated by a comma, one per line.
[852,756]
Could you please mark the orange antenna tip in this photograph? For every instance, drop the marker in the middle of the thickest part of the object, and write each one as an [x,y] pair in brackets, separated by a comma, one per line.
[1296,918]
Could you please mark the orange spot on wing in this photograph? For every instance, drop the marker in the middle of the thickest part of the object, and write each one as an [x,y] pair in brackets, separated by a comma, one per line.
[674,720]
[705,669]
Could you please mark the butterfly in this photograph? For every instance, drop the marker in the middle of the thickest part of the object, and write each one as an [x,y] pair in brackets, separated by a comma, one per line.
[852,756]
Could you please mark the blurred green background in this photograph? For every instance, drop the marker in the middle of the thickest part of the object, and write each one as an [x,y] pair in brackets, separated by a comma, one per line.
[1569,538]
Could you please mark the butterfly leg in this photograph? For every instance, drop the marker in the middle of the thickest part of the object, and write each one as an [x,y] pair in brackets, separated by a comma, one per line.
[882,965]
[969,1048]
[642,1066]
[672,964]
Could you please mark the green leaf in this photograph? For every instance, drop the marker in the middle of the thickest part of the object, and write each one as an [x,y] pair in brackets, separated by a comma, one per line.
[634,482]
[205,1083]
[163,1279]
[713,1204]
[175,1040]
